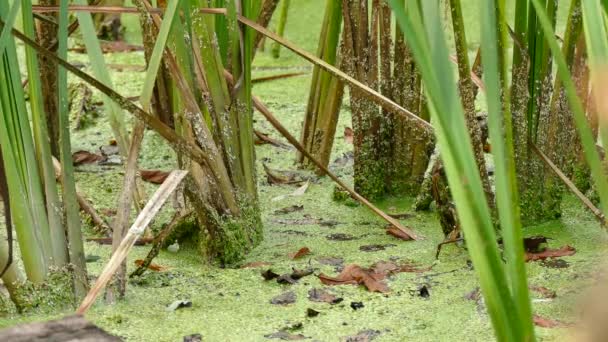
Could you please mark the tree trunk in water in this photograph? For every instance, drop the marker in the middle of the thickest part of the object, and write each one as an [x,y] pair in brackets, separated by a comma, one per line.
[47,36]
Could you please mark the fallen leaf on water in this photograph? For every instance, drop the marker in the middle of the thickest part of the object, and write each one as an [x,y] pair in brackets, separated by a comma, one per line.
[348,135]
[543,291]
[398,233]
[284,298]
[363,336]
[357,305]
[551,253]
[152,266]
[356,275]
[269,275]
[256,264]
[298,274]
[289,209]
[312,312]
[193,338]
[285,336]
[374,247]
[533,244]
[300,253]
[85,157]
[153,176]
[323,296]
[547,323]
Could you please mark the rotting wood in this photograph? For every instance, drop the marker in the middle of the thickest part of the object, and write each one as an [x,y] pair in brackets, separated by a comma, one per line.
[143,220]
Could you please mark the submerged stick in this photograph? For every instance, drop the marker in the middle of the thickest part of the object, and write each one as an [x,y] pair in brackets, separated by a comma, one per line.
[570,185]
[139,226]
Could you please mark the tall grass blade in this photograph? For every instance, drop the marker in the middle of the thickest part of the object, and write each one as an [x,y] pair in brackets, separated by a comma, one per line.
[157,54]
[70,205]
[448,117]
[493,30]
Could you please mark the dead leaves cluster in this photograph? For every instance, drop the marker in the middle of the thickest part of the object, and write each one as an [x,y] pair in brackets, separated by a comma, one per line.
[372,278]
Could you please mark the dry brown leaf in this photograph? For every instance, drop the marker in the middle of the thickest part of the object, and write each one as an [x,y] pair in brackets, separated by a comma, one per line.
[152,266]
[300,253]
[550,253]
[547,323]
[348,135]
[398,233]
[356,275]
[85,157]
[543,291]
[154,176]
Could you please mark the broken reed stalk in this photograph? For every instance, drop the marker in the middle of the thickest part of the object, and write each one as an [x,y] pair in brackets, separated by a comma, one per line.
[124,210]
[159,241]
[570,185]
[85,205]
[143,220]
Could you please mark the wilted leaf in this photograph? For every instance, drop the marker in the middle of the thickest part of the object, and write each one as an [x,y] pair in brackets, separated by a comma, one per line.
[290,209]
[398,233]
[533,243]
[312,312]
[323,296]
[300,253]
[269,275]
[551,253]
[153,176]
[284,298]
[85,157]
[374,247]
[348,135]
[286,336]
[152,266]
[357,305]
[363,336]
[256,264]
[543,291]
[356,275]
[547,323]
[297,274]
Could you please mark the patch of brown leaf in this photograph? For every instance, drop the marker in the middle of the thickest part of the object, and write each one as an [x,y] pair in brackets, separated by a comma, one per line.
[152,266]
[550,253]
[153,176]
[398,233]
[300,253]
[372,278]
[86,157]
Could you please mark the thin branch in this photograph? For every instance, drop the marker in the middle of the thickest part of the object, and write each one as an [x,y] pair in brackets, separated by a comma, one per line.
[143,220]
[597,212]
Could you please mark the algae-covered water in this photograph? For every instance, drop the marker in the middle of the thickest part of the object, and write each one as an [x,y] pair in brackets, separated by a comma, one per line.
[233,304]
